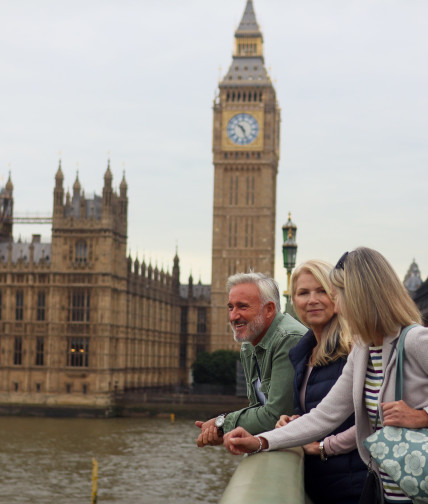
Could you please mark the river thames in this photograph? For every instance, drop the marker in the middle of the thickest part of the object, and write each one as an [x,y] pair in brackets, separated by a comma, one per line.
[140,461]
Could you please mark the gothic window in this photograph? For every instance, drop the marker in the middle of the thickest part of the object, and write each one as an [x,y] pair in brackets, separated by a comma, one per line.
[79,305]
[250,190]
[17,351]
[41,305]
[202,320]
[183,321]
[19,312]
[230,234]
[40,351]
[78,352]
[183,350]
[81,251]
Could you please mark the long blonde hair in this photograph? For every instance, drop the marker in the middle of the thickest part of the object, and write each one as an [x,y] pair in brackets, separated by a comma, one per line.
[336,342]
[371,296]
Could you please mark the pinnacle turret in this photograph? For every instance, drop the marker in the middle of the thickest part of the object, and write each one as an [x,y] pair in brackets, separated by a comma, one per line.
[248,24]
[248,62]
[9,185]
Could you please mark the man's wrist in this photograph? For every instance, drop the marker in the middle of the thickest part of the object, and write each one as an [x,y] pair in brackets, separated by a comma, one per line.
[219,423]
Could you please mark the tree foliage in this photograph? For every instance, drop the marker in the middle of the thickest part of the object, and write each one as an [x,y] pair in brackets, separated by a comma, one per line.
[217,368]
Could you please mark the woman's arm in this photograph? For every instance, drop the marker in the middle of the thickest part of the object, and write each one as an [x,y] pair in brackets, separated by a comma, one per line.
[341,443]
[333,410]
[415,392]
[239,441]
[399,414]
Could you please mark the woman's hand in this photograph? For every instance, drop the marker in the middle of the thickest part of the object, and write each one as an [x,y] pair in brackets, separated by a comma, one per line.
[399,414]
[284,420]
[239,441]
[312,448]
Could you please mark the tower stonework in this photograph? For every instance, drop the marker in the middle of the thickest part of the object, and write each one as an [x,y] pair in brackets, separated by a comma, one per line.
[245,156]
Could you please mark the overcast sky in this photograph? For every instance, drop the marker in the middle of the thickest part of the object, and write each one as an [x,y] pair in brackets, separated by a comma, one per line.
[135,81]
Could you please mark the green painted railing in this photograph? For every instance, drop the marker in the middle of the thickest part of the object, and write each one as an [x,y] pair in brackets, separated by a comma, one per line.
[269,477]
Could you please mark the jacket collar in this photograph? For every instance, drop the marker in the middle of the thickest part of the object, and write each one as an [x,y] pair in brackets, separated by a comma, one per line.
[303,348]
[267,338]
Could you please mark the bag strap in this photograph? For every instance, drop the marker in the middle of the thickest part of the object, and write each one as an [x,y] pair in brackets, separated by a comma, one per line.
[400,362]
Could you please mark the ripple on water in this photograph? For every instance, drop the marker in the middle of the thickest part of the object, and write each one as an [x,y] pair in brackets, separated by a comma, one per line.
[141,460]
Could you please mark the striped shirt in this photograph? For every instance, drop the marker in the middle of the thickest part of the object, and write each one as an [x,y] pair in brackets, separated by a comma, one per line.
[372,385]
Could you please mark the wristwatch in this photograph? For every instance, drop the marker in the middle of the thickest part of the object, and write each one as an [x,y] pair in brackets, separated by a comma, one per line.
[219,422]
[322,452]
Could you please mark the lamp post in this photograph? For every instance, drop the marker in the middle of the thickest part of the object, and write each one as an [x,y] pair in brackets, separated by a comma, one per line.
[289,252]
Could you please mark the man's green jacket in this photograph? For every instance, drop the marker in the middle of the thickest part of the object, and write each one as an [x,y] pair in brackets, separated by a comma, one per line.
[276,373]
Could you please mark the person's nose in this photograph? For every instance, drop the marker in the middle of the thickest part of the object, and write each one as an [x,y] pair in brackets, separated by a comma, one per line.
[313,297]
[234,314]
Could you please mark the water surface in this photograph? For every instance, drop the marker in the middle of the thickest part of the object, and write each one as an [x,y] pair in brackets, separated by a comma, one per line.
[141,461]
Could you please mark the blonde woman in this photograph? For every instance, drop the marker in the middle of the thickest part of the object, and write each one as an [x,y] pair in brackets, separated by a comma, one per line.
[334,471]
[376,307]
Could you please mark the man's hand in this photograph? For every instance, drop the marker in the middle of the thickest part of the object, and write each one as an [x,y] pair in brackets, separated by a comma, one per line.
[399,414]
[284,420]
[209,433]
[239,441]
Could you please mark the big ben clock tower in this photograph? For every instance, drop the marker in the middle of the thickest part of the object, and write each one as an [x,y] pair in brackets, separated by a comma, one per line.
[245,155]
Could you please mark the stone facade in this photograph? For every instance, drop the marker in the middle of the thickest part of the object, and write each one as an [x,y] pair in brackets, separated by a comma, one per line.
[245,155]
[81,323]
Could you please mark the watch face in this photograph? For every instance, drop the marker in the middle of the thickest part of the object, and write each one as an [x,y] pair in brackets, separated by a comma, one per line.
[243,129]
[219,421]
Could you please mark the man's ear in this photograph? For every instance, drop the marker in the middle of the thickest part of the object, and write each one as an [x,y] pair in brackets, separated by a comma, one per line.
[270,310]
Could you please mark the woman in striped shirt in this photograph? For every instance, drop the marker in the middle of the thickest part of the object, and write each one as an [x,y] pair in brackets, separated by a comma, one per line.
[376,306]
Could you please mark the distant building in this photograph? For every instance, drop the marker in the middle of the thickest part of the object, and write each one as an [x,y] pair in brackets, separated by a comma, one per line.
[246,129]
[417,289]
[413,280]
[81,322]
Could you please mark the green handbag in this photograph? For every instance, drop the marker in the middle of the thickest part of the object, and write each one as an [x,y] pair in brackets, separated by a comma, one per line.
[402,453]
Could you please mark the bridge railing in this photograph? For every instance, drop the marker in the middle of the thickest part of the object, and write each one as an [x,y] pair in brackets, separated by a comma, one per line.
[268,477]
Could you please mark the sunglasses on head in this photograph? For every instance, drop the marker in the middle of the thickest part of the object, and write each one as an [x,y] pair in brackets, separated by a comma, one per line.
[341,262]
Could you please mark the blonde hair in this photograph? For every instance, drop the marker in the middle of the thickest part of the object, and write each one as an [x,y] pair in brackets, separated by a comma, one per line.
[336,342]
[371,296]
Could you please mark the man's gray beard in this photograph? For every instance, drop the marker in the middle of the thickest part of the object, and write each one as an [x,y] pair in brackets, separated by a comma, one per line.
[253,329]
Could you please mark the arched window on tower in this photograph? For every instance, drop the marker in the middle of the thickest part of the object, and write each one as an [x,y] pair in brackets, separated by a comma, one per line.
[81,252]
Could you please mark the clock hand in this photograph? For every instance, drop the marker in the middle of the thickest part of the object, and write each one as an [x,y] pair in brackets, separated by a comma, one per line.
[243,129]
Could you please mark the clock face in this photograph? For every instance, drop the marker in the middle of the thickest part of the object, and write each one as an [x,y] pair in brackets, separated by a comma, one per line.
[243,129]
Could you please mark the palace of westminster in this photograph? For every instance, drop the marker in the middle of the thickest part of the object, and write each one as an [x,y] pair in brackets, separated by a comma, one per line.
[81,323]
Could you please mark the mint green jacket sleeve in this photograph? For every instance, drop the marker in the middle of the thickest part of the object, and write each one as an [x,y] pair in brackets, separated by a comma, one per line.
[277,384]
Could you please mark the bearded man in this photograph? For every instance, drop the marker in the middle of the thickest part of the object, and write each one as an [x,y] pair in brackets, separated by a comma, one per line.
[267,337]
